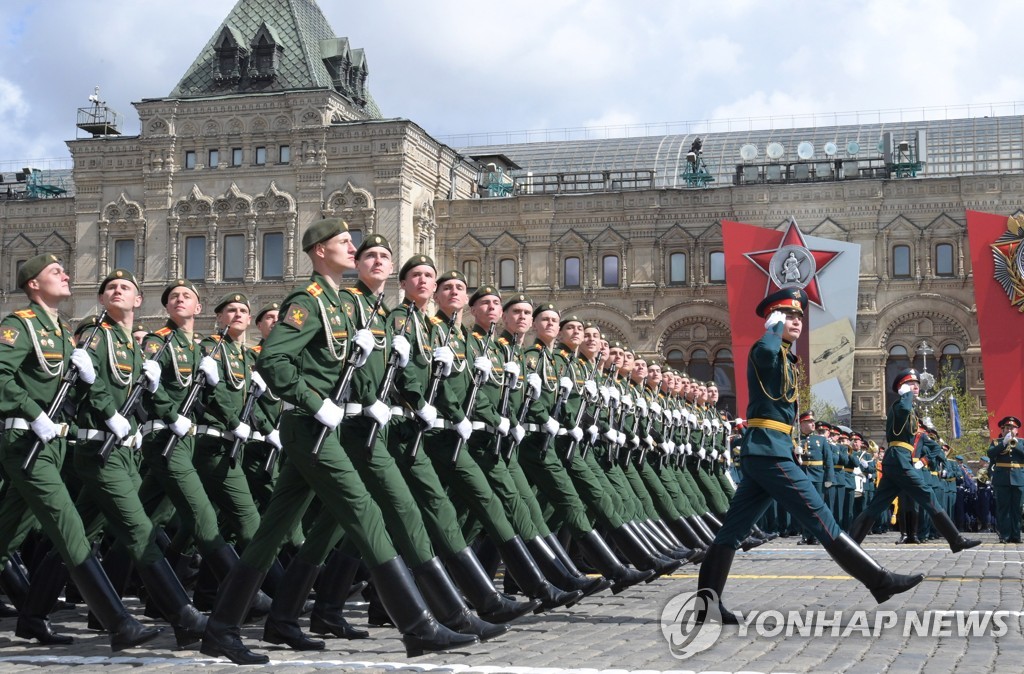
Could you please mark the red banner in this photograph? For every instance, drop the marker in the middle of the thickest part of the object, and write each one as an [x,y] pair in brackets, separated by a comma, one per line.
[995,256]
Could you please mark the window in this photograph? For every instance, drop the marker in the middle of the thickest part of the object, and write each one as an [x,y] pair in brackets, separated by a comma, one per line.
[944,259]
[190,159]
[899,359]
[952,365]
[507,274]
[677,268]
[261,156]
[676,359]
[284,154]
[236,156]
[195,258]
[234,258]
[214,159]
[124,254]
[725,380]
[571,272]
[471,269]
[272,261]
[610,271]
[901,261]
[700,367]
[716,267]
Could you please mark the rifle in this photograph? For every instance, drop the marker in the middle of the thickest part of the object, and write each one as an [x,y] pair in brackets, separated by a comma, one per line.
[556,411]
[506,395]
[636,423]
[198,382]
[583,406]
[341,389]
[250,403]
[432,386]
[384,390]
[67,381]
[268,465]
[130,402]
[474,389]
[528,399]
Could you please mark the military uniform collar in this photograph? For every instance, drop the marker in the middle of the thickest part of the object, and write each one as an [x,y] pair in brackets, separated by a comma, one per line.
[361,288]
[325,285]
[43,315]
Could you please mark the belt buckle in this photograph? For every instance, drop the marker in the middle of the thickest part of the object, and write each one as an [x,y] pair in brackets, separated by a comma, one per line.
[62,430]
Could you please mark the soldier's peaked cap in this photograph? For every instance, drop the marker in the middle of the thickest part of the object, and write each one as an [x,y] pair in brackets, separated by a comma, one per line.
[904,376]
[787,299]
[1009,420]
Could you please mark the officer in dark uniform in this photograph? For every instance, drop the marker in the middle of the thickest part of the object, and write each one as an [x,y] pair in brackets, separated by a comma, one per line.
[816,458]
[1006,455]
[899,474]
[36,349]
[769,470]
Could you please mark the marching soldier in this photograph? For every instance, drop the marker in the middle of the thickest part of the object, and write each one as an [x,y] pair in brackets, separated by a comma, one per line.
[36,352]
[770,471]
[1006,456]
[266,438]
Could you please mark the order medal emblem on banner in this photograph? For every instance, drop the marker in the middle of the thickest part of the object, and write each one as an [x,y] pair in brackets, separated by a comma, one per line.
[1008,256]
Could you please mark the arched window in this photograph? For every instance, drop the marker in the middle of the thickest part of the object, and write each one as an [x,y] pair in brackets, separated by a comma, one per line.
[610,271]
[952,364]
[901,261]
[471,270]
[676,359]
[677,268]
[571,273]
[725,380]
[700,367]
[716,267]
[899,359]
[507,274]
[944,259]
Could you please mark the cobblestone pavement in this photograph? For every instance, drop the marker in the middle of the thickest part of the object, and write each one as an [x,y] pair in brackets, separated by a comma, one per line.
[624,633]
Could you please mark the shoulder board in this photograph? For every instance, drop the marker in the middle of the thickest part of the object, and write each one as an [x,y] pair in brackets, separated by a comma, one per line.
[434,320]
[564,354]
[354,290]
[256,349]
[314,289]
[163,332]
[25,313]
[214,338]
[478,334]
[503,341]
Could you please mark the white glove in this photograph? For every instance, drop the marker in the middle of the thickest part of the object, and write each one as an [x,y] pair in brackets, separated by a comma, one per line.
[402,347]
[863,463]
[714,454]
[627,401]
[692,419]
[688,448]
[83,363]
[504,426]
[590,386]
[943,473]
[717,424]
[576,433]
[828,485]
[379,412]
[918,465]
[565,384]
[706,426]
[593,432]
[533,381]
[427,414]
[482,364]
[44,427]
[242,430]
[151,371]
[363,341]
[774,319]
[620,440]
[612,436]
[330,415]
[464,428]
[1007,438]
[443,358]
[518,433]
[656,409]
[728,427]
[702,453]
[905,389]
[677,416]
[606,394]
[274,438]
[649,441]
[119,426]
[614,393]
[256,380]
[641,405]
[634,442]
[511,369]
[669,446]
[551,426]
[208,366]
[181,426]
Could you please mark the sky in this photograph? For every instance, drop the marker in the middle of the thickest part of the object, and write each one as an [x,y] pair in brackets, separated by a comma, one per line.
[478,73]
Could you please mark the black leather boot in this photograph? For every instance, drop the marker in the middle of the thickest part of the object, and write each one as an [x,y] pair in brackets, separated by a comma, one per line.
[273,579]
[15,584]
[223,629]
[860,528]
[604,560]
[220,563]
[682,529]
[99,594]
[912,522]
[702,530]
[665,543]
[170,599]
[713,574]
[291,592]
[491,605]
[882,583]
[39,598]
[633,547]
[557,574]
[333,588]
[421,633]
[944,525]
[523,568]
[447,604]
